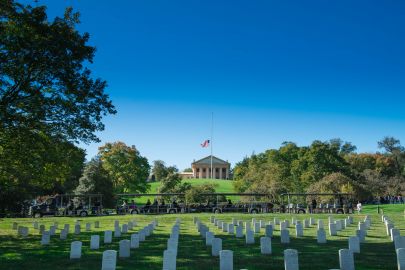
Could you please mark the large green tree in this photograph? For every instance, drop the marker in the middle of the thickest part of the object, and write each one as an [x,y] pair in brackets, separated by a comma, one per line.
[128,170]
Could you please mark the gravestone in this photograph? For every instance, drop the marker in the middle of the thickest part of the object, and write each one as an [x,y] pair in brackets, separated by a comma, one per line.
[169,260]
[41,229]
[234,221]
[130,226]
[77,229]
[389,226]
[299,231]
[346,223]
[134,240]
[276,221]
[338,225]
[332,229]
[142,235]
[287,223]
[88,227]
[257,227]
[399,242]
[24,231]
[265,245]
[117,231]
[36,225]
[346,259]
[321,236]
[239,231]
[225,227]
[208,238]
[97,224]
[124,228]
[52,230]
[262,224]
[116,223]
[95,242]
[15,226]
[291,259]
[269,231]
[401,258]
[330,219]
[107,237]
[125,249]
[63,235]
[354,244]
[394,232]
[67,228]
[311,221]
[46,238]
[231,228]
[283,225]
[250,239]
[76,250]
[294,221]
[216,246]
[285,237]
[225,260]
[320,224]
[172,244]
[212,219]
[248,226]
[362,226]
[361,235]
[109,260]
[306,223]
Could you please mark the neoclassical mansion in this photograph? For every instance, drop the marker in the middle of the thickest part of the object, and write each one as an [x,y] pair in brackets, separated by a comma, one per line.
[201,168]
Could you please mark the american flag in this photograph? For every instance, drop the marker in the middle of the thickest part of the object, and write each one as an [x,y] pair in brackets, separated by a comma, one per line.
[206,143]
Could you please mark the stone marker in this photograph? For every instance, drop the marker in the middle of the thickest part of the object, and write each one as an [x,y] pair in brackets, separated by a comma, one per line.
[208,238]
[109,260]
[262,224]
[291,259]
[116,223]
[124,228]
[117,231]
[97,224]
[321,236]
[361,235]
[15,226]
[169,260]
[306,223]
[67,228]
[52,230]
[283,225]
[134,240]
[250,239]
[354,244]
[239,231]
[63,235]
[332,229]
[248,226]
[225,227]
[389,226]
[285,237]
[77,229]
[265,245]
[41,229]
[311,221]
[269,231]
[95,242]
[225,260]
[276,221]
[338,225]
[401,258]
[46,238]
[107,237]
[346,259]
[231,228]
[125,249]
[299,231]
[320,224]
[36,225]
[76,250]
[216,246]
[88,227]
[394,232]
[142,235]
[399,242]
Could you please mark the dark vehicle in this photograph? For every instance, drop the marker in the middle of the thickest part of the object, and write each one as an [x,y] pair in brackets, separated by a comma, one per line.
[332,203]
[163,203]
[68,205]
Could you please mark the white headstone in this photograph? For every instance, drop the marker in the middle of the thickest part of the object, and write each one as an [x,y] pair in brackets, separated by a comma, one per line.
[361,235]
[97,224]
[117,231]
[354,244]
[216,246]
[107,237]
[250,239]
[291,259]
[399,242]
[125,249]
[15,225]
[311,221]
[134,240]
[320,224]
[394,232]
[346,259]
[124,228]
[265,245]
[76,250]
[306,223]
[332,229]
[36,225]
[231,228]
[142,235]
[46,237]
[52,230]
[169,260]
[224,227]
[262,224]
[269,231]
[63,235]
[283,225]
[257,227]
[88,227]
[321,236]
[299,231]
[95,242]
[401,258]
[285,237]
[208,238]
[276,221]
[77,229]
[109,260]
[239,231]
[226,260]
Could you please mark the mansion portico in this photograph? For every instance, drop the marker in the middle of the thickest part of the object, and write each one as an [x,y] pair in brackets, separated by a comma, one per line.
[202,168]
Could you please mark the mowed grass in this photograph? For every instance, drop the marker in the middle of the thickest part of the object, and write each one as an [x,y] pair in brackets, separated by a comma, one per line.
[19,253]
[221,186]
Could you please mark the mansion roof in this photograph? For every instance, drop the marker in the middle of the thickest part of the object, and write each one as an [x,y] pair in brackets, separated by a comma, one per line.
[207,161]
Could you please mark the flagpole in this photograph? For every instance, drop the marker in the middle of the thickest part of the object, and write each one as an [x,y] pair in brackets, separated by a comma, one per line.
[212,131]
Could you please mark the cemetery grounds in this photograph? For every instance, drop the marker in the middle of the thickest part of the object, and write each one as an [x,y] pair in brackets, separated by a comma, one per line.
[27,253]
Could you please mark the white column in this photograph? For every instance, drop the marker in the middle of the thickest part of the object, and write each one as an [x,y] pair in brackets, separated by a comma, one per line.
[220,173]
[201,172]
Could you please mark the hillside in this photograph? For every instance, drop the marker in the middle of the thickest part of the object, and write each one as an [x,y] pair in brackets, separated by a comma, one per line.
[224,186]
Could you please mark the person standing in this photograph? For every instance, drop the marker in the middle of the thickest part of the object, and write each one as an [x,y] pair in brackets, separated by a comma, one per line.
[359,207]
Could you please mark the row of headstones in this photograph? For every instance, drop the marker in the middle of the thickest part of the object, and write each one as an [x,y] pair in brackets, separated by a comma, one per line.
[125,246]
[170,254]
[399,241]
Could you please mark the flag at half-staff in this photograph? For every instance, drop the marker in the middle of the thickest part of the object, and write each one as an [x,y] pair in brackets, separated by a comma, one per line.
[206,143]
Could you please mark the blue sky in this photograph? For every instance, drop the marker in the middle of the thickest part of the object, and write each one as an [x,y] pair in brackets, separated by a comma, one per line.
[270,71]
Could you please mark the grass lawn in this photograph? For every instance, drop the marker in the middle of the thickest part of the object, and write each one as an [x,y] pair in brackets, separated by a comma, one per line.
[222,186]
[377,253]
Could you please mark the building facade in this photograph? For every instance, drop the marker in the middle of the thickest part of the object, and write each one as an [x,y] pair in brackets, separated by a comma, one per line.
[202,168]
